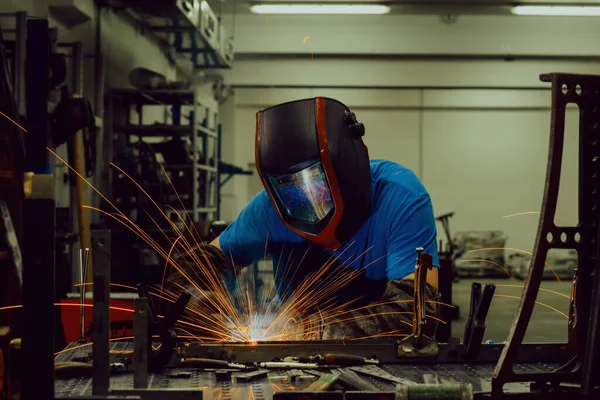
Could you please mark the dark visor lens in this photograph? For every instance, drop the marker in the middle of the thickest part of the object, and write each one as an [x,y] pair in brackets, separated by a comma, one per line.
[305,195]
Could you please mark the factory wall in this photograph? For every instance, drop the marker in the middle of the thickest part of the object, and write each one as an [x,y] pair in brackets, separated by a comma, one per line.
[475,128]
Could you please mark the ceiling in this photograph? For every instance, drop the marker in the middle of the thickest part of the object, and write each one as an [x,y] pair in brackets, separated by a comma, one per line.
[439,7]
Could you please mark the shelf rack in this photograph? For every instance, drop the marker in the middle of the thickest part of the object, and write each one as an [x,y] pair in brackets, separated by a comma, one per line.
[201,128]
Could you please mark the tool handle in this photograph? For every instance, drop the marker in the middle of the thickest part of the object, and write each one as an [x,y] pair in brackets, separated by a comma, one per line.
[204,363]
[343,360]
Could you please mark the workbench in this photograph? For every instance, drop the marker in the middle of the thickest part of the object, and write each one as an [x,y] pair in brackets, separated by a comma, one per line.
[449,367]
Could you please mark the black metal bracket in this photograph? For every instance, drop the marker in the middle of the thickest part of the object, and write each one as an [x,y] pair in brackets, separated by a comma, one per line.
[475,326]
[164,328]
[583,90]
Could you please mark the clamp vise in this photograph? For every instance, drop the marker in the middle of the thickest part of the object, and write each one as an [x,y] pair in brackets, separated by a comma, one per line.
[418,344]
[164,328]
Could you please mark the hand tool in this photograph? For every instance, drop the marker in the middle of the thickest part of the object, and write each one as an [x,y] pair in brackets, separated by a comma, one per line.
[210,363]
[375,371]
[417,344]
[284,365]
[475,326]
[447,391]
[342,360]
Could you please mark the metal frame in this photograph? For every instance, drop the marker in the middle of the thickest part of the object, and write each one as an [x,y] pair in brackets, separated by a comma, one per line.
[583,90]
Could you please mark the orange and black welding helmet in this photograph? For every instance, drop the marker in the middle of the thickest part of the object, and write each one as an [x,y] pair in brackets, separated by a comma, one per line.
[314,165]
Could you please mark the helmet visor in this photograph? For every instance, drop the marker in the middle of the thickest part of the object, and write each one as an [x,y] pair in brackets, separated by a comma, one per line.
[304,195]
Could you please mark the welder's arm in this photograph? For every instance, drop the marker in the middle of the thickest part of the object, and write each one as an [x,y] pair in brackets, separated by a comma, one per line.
[413,226]
[389,317]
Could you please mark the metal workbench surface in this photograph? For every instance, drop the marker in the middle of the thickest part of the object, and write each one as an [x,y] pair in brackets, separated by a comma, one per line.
[475,373]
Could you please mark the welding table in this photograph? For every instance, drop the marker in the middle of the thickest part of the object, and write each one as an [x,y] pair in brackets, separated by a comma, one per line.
[448,366]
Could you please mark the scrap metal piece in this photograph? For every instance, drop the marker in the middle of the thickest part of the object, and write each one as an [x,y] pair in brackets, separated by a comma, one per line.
[375,371]
[101,296]
[322,384]
[583,90]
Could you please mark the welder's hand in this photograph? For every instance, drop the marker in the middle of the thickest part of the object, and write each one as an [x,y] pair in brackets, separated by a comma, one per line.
[389,317]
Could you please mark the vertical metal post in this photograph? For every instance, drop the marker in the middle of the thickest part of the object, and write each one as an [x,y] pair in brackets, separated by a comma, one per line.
[140,343]
[218,177]
[77,69]
[195,184]
[19,61]
[38,297]
[36,84]
[101,243]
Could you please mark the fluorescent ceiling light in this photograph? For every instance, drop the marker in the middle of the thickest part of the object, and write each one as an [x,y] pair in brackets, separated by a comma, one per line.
[557,11]
[360,9]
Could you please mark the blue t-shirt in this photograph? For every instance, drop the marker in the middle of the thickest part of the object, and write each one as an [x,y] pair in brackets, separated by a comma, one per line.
[401,219]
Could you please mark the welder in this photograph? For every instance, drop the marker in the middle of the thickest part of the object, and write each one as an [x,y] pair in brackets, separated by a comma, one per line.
[324,197]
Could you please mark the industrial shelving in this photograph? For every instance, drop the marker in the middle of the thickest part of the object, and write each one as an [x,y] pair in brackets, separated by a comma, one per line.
[189,29]
[201,128]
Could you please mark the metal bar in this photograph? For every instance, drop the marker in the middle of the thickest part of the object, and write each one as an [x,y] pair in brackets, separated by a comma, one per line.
[160,394]
[38,297]
[195,185]
[101,244]
[77,71]
[19,60]
[140,343]
[38,44]
[218,178]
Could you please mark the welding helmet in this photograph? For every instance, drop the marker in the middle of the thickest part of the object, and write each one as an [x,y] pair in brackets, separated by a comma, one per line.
[315,168]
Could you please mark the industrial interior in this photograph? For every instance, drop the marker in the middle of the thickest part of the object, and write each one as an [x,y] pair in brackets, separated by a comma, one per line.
[234,199]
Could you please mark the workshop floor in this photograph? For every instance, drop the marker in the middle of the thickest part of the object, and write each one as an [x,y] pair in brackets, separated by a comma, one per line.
[546,326]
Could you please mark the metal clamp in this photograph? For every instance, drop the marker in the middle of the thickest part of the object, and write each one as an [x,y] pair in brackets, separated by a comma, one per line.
[475,326]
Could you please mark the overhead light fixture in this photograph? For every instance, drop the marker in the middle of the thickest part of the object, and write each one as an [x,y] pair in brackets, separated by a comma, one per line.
[566,11]
[323,9]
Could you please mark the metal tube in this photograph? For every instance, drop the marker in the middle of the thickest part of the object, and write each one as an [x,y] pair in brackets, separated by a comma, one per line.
[101,243]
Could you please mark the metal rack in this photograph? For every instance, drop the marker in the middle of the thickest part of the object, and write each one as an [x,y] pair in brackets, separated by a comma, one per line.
[189,29]
[201,128]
